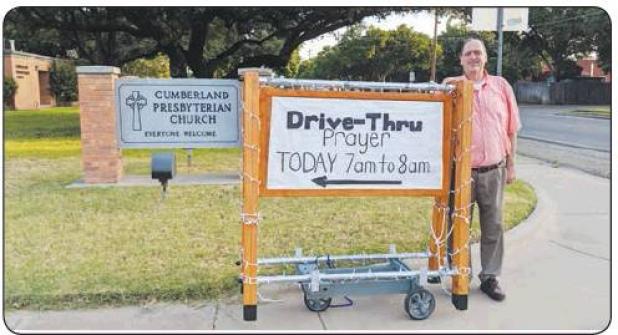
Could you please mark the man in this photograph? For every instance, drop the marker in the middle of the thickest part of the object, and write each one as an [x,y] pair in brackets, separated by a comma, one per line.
[495,122]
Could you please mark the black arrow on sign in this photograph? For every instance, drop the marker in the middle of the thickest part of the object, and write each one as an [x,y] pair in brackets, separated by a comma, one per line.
[323,181]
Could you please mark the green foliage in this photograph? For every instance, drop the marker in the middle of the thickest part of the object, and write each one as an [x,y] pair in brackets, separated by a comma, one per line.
[156,67]
[593,111]
[600,27]
[306,68]
[48,42]
[562,34]
[373,55]
[210,41]
[518,61]
[9,88]
[291,70]
[63,82]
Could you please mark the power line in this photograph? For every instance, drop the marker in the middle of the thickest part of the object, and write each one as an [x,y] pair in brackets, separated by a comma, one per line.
[559,22]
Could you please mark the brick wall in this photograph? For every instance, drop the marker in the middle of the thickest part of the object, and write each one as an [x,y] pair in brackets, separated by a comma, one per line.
[101,156]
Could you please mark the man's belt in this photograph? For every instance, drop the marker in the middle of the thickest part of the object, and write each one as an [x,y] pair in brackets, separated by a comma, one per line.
[487,168]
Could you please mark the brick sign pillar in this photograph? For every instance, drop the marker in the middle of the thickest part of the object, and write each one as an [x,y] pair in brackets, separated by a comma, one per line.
[101,156]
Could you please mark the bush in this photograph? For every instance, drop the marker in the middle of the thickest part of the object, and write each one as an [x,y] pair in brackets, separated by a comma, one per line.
[63,82]
[157,67]
[9,88]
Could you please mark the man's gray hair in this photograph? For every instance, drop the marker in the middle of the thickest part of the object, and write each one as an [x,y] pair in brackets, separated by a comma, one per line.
[470,39]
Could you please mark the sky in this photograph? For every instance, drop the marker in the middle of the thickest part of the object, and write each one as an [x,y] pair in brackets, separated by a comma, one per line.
[421,22]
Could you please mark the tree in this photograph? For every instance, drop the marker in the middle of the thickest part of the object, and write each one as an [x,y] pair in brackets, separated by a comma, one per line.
[373,55]
[518,61]
[9,88]
[63,82]
[599,26]
[212,42]
[560,35]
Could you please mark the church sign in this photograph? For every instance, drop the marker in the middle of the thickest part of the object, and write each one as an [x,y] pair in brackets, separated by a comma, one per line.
[178,113]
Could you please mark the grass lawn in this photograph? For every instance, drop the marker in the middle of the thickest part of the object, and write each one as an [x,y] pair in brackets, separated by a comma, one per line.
[598,111]
[67,248]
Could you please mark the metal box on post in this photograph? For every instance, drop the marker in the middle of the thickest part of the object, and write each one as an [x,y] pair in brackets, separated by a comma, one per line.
[163,167]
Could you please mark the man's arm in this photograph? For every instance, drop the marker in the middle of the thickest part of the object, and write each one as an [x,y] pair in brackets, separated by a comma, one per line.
[510,160]
[513,127]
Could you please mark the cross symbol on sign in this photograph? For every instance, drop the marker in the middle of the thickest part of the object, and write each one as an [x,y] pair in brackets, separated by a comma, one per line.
[136,102]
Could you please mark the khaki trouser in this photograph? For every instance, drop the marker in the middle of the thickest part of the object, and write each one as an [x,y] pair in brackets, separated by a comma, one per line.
[488,193]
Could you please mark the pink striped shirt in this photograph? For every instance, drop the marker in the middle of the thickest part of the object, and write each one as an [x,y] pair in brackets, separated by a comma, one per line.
[495,117]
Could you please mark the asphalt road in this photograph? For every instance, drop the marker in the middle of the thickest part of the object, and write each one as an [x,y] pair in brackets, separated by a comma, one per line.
[548,123]
[578,142]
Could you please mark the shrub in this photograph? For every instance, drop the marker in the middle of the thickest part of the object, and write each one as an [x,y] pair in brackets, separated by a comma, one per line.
[63,82]
[9,88]
[157,67]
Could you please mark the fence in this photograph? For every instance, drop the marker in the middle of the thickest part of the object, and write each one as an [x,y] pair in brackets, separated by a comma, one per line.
[581,92]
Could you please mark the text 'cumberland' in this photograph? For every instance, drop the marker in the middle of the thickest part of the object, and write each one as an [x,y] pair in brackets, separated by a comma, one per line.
[377,121]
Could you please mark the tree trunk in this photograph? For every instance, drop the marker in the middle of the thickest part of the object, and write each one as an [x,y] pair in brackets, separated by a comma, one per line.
[178,63]
[195,53]
[558,66]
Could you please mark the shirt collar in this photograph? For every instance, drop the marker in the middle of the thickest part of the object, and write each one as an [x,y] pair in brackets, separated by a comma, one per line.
[484,80]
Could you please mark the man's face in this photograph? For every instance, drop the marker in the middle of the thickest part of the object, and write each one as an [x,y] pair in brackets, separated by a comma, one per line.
[473,57]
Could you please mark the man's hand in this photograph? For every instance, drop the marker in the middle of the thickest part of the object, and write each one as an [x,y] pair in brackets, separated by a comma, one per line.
[449,80]
[452,80]
[510,160]
[510,174]
[510,171]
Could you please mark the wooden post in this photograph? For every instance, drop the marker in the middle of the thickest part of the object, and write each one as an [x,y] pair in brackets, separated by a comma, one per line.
[440,212]
[438,232]
[250,188]
[462,124]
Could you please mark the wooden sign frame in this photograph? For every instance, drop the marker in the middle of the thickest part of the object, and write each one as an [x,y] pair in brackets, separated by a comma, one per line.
[266,96]
[457,120]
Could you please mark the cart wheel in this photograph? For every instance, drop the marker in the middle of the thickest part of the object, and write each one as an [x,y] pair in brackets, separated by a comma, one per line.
[317,305]
[419,304]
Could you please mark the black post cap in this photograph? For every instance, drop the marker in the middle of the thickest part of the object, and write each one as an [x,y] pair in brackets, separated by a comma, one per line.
[249,312]
[460,301]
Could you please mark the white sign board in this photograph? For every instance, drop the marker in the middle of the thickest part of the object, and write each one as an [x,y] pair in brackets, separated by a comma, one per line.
[486,19]
[177,113]
[332,143]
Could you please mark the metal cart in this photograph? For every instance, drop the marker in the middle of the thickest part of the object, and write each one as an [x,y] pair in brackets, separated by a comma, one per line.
[321,280]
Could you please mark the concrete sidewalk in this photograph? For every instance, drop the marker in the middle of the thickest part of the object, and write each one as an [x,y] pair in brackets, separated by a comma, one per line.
[556,276]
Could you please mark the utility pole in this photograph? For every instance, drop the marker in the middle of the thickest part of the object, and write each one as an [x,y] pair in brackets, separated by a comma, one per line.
[500,40]
[434,47]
